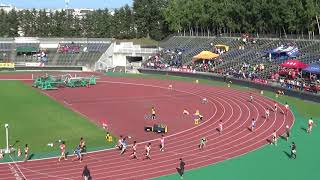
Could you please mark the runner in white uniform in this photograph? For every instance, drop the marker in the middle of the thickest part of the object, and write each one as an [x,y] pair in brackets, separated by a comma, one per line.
[267,113]
[148,149]
[220,126]
[274,138]
[253,124]
[162,143]
[251,98]
[287,108]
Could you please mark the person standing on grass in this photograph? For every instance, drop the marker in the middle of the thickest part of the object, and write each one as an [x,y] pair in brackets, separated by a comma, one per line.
[293,150]
[134,151]
[26,152]
[82,144]
[63,149]
[180,169]
[287,132]
[1,154]
[286,108]
[86,173]
[162,143]
[274,138]
[310,124]
[148,150]
[19,151]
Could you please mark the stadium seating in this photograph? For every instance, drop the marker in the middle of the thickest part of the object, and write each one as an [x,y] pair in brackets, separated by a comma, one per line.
[68,52]
[242,57]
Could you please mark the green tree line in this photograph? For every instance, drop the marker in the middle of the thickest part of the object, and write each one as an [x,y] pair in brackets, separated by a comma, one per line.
[243,16]
[157,19]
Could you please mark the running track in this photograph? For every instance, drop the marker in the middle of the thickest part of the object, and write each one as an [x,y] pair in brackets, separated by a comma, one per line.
[225,104]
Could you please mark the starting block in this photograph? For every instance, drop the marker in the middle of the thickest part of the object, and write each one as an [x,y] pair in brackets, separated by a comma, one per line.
[109,138]
[196,121]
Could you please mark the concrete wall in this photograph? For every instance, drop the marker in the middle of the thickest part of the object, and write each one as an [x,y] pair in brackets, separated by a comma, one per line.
[47,68]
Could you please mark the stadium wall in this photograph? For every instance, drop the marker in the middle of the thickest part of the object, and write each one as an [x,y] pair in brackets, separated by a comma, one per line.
[44,68]
[50,68]
[266,87]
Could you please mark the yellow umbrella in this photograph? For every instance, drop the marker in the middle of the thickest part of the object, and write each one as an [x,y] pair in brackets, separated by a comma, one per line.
[207,55]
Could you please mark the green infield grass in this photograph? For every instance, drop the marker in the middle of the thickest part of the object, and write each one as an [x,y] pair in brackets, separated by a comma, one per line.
[37,120]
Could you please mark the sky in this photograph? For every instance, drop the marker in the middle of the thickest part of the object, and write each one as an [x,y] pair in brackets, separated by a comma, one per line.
[58,4]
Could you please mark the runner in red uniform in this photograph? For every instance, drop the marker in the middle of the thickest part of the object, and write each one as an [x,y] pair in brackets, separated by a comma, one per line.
[63,150]
[310,124]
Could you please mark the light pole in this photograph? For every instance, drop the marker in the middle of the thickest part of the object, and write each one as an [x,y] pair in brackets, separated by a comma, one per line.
[7,138]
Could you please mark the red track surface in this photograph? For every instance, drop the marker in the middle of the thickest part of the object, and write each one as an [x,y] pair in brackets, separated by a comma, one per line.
[124,102]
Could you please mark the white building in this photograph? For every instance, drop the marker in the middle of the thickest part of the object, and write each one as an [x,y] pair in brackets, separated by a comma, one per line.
[7,7]
[78,12]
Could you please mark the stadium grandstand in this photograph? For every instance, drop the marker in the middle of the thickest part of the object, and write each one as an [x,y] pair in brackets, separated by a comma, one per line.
[56,51]
[257,59]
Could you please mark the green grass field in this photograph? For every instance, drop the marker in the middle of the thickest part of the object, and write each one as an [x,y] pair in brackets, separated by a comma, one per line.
[269,162]
[37,120]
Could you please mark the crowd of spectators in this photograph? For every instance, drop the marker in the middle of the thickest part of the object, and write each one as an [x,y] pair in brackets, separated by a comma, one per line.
[69,48]
[42,57]
[156,62]
[165,58]
[288,78]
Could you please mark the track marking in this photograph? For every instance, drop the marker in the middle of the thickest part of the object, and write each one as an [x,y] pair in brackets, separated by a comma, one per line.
[16,170]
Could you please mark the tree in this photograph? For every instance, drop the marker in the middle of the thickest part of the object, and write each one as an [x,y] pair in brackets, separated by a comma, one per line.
[149,18]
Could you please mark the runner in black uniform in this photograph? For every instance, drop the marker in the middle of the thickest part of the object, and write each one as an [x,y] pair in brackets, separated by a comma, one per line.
[293,151]
[153,113]
[180,169]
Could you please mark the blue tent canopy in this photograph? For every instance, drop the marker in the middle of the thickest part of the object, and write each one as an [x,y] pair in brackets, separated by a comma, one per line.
[313,68]
[283,52]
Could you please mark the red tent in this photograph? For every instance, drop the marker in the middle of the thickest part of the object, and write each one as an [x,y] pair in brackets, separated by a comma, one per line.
[294,64]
